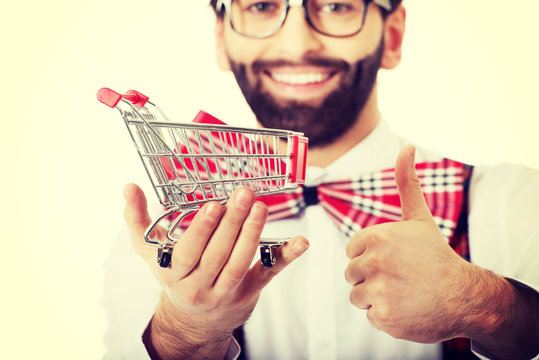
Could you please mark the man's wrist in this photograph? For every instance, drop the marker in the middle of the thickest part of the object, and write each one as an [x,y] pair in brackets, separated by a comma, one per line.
[172,337]
[148,344]
[516,337]
[500,316]
[487,300]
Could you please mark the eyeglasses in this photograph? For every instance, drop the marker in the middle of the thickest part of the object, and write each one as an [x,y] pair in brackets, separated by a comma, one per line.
[260,19]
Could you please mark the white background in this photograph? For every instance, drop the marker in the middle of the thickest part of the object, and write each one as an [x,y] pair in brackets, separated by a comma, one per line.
[467,88]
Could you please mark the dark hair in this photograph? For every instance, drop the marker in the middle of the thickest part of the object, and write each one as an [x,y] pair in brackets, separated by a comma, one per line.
[385,13]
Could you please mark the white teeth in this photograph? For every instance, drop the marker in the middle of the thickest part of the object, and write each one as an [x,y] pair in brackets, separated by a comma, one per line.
[299,79]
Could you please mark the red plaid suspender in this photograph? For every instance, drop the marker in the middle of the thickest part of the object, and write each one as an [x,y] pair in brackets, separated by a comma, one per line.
[459,348]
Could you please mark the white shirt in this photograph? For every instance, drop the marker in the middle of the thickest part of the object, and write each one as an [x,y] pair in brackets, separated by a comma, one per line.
[305,313]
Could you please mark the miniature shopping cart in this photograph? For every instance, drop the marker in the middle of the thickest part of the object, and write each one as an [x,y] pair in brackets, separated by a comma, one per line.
[190,164]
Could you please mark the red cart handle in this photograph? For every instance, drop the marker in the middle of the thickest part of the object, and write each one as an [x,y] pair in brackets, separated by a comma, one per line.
[111,98]
[298,159]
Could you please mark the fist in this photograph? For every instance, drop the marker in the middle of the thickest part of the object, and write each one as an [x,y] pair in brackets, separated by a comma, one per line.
[404,273]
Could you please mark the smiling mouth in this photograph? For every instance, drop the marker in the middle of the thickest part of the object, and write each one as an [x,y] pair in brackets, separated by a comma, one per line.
[299,78]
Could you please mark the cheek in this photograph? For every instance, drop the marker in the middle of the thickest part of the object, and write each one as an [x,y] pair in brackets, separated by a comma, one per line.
[243,50]
[355,48]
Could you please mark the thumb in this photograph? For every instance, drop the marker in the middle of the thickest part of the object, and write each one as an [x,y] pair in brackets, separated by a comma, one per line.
[413,205]
[136,212]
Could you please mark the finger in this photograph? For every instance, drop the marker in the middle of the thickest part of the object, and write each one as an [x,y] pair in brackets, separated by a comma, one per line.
[413,205]
[367,237]
[137,217]
[372,317]
[222,241]
[359,296]
[259,276]
[242,255]
[188,251]
[357,244]
[135,212]
[355,271]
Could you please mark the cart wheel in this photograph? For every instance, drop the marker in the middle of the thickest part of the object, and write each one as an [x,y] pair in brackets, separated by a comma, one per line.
[164,256]
[165,260]
[267,256]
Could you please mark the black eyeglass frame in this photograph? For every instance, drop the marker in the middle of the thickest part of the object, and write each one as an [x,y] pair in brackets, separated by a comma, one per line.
[226,4]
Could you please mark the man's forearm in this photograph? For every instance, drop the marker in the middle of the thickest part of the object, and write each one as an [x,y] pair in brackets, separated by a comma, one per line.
[165,339]
[514,336]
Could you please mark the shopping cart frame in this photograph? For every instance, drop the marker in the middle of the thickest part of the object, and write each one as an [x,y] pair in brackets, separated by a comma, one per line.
[190,164]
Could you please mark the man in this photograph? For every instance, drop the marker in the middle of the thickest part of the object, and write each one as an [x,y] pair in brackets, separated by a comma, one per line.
[311,66]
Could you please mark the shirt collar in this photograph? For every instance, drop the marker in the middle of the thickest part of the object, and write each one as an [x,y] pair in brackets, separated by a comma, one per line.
[377,151]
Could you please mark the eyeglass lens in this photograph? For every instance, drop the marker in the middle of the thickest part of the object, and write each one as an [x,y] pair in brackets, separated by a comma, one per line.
[262,18]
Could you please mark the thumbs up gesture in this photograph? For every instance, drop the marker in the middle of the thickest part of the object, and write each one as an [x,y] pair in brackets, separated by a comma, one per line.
[404,273]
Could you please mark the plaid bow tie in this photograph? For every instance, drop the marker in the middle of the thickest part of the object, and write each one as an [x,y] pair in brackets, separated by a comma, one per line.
[373,198]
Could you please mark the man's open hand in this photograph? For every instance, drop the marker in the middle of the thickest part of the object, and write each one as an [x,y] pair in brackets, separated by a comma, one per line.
[211,287]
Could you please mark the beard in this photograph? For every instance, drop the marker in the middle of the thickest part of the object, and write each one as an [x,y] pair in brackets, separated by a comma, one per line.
[322,124]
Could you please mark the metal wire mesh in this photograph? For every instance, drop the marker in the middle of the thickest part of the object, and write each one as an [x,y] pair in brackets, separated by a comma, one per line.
[190,164]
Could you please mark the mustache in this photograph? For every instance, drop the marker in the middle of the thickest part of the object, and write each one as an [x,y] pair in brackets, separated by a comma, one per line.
[259,65]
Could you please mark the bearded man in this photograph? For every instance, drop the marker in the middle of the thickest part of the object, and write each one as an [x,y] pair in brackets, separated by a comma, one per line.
[427,250]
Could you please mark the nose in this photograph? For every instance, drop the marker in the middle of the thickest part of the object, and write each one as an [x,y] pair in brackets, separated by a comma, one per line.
[296,38]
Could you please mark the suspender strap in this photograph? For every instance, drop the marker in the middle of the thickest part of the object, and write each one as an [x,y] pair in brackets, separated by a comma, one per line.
[459,348]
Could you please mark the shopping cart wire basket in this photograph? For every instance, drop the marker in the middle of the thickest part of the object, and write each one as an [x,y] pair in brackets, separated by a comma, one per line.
[190,164]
